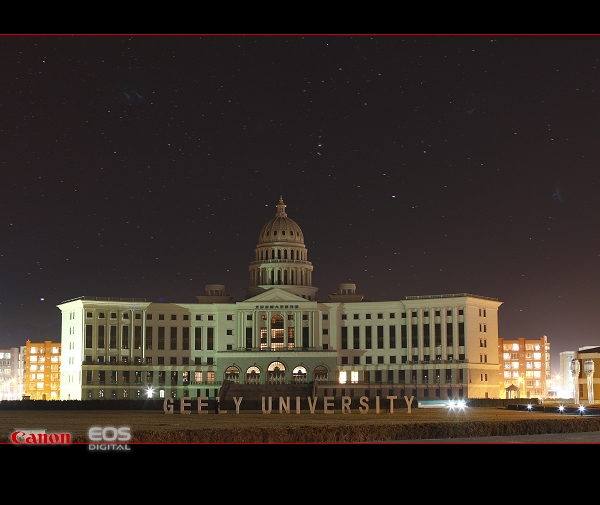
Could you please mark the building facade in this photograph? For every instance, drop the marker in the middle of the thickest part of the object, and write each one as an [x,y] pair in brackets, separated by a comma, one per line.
[11,373]
[42,370]
[587,380]
[564,379]
[524,367]
[436,346]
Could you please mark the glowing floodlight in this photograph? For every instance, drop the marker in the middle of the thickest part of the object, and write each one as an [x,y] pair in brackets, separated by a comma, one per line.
[581,409]
[458,404]
[149,392]
[529,407]
[561,408]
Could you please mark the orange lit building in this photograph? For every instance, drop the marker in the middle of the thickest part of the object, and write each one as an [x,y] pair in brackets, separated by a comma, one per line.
[524,368]
[42,370]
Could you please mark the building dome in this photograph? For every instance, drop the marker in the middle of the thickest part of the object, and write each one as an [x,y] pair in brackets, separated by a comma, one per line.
[281,228]
[281,258]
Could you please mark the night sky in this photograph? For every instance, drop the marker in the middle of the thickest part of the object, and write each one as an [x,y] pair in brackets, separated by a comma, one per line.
[146,166]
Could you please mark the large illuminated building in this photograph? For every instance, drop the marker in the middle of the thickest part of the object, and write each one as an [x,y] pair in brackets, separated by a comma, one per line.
[524,367]
[42,370]
[281,335]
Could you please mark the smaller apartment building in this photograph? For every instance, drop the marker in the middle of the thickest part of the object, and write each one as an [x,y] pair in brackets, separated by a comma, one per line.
[524,368]
[42,370]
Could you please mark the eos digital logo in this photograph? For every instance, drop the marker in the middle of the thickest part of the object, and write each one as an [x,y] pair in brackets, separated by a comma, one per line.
[110,438]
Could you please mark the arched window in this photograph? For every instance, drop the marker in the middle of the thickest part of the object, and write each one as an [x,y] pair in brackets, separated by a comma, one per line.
[320,373]
[276,373]
[232,374]
[299,375]
[253,375]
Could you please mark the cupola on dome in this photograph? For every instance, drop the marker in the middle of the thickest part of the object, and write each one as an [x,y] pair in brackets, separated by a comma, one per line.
[281,228]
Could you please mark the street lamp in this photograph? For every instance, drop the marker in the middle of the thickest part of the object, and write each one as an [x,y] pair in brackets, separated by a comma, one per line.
[588,367]
[575,367]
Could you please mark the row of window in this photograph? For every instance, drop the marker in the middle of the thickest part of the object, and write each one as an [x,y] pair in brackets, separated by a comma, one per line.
[147,378]
[403,315]
[42,350]
[210,317]
[42,359]
[174,341]
[425,331]
[529,355]
[160,360]
[392,359]
[415,376]
[528,347]
[149,394]
[40,368]
[517,375]
[150,317]
[529,383]
[528,364]
[401,393]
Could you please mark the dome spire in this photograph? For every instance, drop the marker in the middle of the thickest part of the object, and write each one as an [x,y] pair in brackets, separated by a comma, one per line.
[281,208]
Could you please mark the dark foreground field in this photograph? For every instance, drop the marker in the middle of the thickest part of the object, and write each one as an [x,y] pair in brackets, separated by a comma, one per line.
[252,426]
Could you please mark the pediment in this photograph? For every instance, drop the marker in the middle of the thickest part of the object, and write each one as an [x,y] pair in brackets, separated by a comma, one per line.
[276,295]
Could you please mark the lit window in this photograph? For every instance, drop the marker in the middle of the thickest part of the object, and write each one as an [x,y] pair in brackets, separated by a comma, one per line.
[342,377]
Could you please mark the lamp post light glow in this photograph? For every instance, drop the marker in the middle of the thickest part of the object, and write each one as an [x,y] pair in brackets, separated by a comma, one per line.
[149,392]
[458,404]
